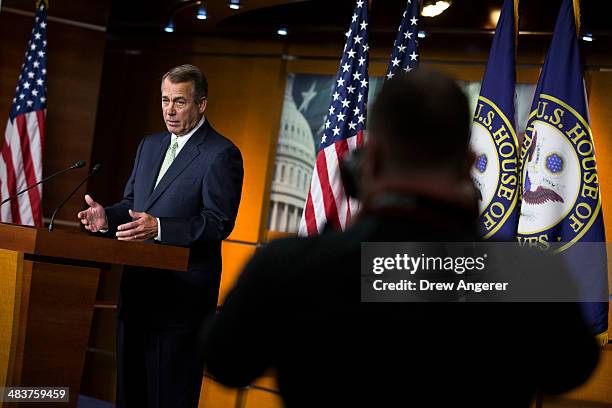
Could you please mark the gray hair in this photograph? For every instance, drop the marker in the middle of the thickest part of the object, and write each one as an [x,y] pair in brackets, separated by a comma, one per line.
[189,73]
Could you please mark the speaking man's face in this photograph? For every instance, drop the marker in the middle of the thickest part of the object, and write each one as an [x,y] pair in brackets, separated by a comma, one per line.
[181,111]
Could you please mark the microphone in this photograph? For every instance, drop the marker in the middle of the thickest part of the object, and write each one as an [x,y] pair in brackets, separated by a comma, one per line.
[76,165]
[93,171]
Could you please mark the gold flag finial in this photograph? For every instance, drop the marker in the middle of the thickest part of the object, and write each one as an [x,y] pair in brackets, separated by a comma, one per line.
[602,339]
[46,2]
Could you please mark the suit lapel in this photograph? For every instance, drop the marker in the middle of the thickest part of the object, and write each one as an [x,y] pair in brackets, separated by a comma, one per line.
[158,159]
[187,154]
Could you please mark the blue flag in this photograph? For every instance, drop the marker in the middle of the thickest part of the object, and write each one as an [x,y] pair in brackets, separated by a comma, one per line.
[404,55]
[561,202]
[493,139]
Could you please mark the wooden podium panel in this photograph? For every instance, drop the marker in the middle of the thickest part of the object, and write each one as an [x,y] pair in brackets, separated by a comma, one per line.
[61,302]
[11,267]
[48,286]
[66,247]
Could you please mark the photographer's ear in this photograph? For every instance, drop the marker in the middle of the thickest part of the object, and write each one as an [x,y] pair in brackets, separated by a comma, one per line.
[372,166]
[351,171]
[373,160]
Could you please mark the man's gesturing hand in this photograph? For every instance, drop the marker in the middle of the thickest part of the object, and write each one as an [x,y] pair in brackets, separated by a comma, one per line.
[142,228]
[93,218]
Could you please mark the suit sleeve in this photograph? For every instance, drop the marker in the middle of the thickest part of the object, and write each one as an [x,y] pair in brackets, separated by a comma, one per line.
[118,214]
[221,190]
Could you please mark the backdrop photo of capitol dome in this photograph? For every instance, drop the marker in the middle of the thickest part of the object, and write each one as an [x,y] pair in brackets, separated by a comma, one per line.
[305,105]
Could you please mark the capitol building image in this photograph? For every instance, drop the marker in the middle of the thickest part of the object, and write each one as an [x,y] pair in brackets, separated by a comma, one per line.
[295,158]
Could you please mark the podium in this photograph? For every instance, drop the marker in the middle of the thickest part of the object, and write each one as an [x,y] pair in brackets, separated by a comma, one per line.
[48,286]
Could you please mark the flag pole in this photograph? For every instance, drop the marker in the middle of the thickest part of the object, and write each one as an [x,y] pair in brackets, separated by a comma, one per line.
[516,26]
[576,4]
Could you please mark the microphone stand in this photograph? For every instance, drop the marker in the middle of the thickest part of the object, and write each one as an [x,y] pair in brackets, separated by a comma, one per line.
[93,171]
[76,165]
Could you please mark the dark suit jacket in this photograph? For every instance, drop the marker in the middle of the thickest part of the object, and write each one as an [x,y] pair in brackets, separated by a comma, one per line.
[196,202]
[296,308]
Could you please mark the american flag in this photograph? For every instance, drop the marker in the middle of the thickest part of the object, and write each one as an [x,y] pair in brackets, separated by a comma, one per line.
[21,154]
[327,202]
[404,55]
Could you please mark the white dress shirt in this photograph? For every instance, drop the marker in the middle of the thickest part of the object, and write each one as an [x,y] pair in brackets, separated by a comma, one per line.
[181,140]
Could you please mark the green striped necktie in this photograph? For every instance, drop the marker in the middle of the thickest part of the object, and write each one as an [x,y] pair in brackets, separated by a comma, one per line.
[170,156]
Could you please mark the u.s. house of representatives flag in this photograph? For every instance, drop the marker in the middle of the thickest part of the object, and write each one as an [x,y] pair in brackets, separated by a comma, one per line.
[493,139]
[21,154]
[327,202]
[561,200]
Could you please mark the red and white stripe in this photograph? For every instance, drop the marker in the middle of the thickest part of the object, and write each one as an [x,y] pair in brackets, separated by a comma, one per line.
[327,202]
[20,166]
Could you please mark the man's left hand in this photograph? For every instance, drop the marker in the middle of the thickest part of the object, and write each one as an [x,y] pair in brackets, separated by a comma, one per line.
[143,227]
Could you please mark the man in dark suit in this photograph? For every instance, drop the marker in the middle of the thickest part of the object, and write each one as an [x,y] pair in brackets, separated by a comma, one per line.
[296,306]
[184,190]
